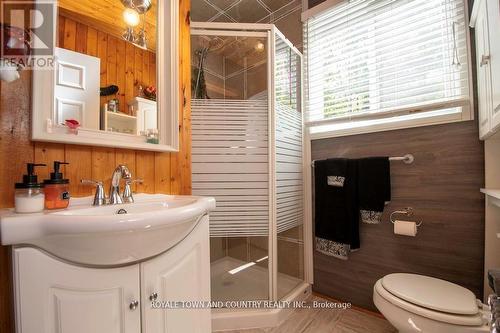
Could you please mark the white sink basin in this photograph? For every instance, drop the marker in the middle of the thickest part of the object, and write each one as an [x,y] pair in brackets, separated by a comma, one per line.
[103,236]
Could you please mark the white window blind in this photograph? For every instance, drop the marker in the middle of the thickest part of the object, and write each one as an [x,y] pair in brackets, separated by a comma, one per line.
[370,60]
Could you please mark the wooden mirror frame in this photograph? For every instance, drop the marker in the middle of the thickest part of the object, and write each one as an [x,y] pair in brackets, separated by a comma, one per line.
[167,55]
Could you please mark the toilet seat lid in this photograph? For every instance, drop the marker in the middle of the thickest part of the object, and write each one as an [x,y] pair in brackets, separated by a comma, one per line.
[431,293]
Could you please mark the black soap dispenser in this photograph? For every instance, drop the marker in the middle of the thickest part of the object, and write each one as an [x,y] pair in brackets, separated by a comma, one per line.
[56,189]
[29,195]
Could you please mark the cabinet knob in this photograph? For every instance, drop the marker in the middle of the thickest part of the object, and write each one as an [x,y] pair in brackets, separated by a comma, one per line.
[485,59]
[153,297]
[133,305]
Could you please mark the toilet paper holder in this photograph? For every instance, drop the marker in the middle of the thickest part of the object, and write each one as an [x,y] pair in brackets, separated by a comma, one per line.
[408,212]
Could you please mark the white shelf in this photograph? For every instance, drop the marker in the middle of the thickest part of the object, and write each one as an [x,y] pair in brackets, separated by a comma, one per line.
[491,192]
[493,199]
[120,115]
[494,196]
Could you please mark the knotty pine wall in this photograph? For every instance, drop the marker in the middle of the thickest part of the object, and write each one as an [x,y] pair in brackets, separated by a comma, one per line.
[162,172]
[122,63]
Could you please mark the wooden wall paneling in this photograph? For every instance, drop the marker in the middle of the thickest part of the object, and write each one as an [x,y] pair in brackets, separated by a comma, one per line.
[70,35]
[129,72]
[185,68]
[145,69]
[92,42]
[111,70]
[60,31]
[442,186]
[81,38]
[181,181]
[145,169]
[152,68]
[102,52]
[162,173]
[46,153]
[15,146]
[121,73]
[138,55]
[103,164]
[79,167]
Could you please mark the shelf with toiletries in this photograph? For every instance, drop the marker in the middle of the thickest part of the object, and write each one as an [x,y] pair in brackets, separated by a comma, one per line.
[141,119]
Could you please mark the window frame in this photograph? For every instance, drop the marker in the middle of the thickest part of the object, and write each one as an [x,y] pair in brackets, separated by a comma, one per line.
[363,125]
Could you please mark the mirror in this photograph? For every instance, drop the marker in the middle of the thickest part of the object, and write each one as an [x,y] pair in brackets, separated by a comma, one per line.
[105,88]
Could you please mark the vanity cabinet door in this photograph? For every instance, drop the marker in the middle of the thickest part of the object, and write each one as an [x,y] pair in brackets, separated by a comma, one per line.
[53,296]
[180,274]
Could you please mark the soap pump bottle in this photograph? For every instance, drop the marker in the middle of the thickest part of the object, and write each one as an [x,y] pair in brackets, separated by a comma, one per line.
[56,189]
[29,196]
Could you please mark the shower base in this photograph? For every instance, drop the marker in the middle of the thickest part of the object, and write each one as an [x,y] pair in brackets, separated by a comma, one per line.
[247,284]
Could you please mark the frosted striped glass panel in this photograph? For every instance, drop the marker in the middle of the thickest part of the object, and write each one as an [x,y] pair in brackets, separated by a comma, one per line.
[231,163]
[289,177]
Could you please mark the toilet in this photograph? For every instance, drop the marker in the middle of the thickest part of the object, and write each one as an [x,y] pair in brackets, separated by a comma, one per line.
[418,303]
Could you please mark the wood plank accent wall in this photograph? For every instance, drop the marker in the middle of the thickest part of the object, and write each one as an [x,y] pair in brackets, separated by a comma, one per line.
[442,185]
[162,172]
[122,63]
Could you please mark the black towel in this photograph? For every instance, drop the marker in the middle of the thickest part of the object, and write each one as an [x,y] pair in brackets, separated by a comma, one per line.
[336,208]
[374,183]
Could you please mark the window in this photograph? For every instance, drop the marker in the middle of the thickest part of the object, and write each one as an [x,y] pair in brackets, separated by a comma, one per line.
[379,64]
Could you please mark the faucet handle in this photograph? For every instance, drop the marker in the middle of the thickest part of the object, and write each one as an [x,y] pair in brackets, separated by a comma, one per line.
[99,196]
[127,191]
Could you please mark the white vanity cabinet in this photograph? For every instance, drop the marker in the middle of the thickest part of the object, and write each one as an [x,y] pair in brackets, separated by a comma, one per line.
[485,20]
[56,296]
[182,275]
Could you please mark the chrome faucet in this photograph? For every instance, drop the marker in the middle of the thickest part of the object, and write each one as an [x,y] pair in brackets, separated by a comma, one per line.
[120,172]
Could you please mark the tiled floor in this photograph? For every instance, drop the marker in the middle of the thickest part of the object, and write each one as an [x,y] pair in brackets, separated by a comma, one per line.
[328,321]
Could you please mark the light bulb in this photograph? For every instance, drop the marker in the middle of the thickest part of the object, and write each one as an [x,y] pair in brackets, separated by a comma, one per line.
[259,46]
[131,17]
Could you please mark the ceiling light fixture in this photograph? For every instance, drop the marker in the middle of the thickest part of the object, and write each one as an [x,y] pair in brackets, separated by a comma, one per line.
[131,17]
[141,6]
[141,39]
[129,35]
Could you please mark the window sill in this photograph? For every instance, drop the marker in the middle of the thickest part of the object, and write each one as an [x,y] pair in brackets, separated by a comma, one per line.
[390,124]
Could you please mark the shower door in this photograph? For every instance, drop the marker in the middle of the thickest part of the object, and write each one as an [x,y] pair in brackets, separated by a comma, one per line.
[247,153]
[289,176]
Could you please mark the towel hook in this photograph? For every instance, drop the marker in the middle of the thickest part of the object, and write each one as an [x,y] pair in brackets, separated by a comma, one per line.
[408,212]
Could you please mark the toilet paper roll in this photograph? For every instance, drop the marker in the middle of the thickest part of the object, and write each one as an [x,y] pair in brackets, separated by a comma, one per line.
[406,228]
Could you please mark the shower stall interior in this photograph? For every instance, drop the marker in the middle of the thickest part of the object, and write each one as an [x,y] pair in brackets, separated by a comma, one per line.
[247,148]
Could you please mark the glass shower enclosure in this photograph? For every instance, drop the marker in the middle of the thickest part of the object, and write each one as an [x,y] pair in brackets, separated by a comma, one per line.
[247,130]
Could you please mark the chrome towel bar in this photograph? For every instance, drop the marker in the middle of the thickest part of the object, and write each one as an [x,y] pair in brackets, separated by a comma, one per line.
[407,159]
